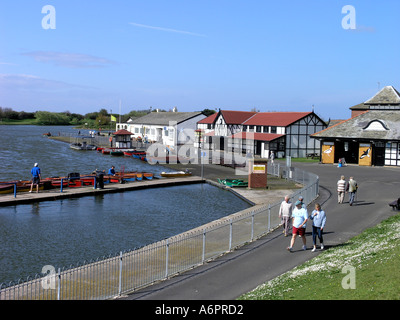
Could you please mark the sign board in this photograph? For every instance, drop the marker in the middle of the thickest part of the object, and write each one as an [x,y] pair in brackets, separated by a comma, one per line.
[258,168]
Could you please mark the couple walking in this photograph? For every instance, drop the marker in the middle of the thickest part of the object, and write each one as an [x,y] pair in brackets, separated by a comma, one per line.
[299,216]
[350,187]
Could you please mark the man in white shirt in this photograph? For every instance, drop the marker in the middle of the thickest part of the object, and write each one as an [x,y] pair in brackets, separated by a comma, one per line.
[299,220]
[285,213]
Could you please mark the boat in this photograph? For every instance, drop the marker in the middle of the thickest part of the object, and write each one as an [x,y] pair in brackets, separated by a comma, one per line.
[23,186]
[175,174]
[82,146]
[148,175]
[105,151]
[116,153]
[233,182]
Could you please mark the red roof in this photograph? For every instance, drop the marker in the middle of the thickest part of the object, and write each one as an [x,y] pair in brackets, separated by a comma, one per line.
[209,119]
[279,119]
[236,117]
[257,136]
[123,132]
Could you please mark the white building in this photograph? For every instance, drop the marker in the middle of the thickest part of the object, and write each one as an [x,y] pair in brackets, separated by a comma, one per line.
[167,128]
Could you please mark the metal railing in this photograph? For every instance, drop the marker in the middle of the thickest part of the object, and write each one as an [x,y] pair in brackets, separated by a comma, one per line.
[129,271]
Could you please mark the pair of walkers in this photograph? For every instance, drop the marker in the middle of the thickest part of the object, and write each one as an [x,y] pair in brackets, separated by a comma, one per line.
[351,187]
[299,216]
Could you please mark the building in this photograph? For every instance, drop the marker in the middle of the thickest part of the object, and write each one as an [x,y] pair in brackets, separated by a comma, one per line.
[386,99]
[370,137]
[168,128]
[285,133]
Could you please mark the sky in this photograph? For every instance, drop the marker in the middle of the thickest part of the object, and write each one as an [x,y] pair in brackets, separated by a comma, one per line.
[124,55]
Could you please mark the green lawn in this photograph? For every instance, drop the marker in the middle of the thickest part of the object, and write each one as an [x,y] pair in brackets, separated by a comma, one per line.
[374,256]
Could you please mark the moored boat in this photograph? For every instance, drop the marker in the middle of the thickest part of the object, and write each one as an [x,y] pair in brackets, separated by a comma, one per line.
[233,182]
[175,174]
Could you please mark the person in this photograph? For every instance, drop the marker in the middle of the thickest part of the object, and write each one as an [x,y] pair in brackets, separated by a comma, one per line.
[352,188]
[318,217]
[299,222]
[341,189]
[36,176]
[272,156]
[111,171]
[301,199]
[285,213]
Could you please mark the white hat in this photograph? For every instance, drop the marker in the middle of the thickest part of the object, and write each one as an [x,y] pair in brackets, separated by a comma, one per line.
[36,164]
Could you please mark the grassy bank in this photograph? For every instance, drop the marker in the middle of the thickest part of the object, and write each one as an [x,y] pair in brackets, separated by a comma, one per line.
[374,256]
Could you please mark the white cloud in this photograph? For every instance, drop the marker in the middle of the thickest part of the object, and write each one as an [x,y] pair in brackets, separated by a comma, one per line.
[27,82]
[166,29]
[69,60]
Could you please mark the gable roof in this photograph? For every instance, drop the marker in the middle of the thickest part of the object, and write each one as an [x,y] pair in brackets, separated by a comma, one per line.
[209,120]
[279,119]
[163,118]
[123,132]
[388,95]
[236,117]
[355,128]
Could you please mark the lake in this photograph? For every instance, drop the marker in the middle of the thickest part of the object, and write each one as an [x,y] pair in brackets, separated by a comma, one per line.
[68,232]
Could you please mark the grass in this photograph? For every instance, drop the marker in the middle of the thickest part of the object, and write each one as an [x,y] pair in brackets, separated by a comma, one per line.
[374,255]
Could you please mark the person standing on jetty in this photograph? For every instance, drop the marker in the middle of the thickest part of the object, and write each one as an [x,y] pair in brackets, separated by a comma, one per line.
[35,177]
[299,217]
[285,213]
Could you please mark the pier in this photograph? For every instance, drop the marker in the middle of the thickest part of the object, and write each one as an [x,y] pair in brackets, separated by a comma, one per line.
[56,194]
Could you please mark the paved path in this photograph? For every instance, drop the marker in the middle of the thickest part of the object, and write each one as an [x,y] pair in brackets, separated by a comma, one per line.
[244,269]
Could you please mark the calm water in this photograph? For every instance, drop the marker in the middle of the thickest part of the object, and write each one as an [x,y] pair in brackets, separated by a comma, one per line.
[67,232]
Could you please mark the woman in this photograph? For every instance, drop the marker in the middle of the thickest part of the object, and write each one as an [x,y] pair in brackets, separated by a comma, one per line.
[318,217]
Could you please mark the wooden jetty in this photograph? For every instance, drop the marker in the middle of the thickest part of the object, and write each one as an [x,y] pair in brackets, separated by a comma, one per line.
[55,194]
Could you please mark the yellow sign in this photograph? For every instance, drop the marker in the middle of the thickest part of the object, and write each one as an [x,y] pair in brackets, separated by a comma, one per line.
[364,154]
[258,168]
[328,153]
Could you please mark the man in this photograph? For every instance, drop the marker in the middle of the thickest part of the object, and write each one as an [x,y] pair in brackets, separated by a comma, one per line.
[341,189]
[285,212]
[35,177]
[352,186]
[299,220]
[111,171]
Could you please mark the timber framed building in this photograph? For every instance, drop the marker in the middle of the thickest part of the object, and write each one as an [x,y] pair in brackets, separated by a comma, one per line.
[260,133]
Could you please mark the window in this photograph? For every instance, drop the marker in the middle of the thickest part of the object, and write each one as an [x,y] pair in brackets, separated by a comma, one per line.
[258,128]
[273,129]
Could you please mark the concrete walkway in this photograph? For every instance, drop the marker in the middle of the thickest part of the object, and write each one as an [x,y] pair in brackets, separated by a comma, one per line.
[238,272]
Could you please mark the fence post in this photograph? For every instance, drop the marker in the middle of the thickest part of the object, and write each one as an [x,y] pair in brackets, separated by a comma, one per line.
[230,235]
[166,259]
[15,190]
[120,274]
[252,226]
[62,182]
[204,246]
[59,285]
[269,217]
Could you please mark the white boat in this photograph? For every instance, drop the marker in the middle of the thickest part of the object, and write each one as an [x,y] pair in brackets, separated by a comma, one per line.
[82,146]
[175,174]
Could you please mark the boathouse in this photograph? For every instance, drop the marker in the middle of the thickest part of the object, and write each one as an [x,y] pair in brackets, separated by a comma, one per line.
[371,137]
[260,133]
[123,139]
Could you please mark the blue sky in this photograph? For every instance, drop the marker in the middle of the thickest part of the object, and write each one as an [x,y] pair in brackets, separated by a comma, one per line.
[228,54]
